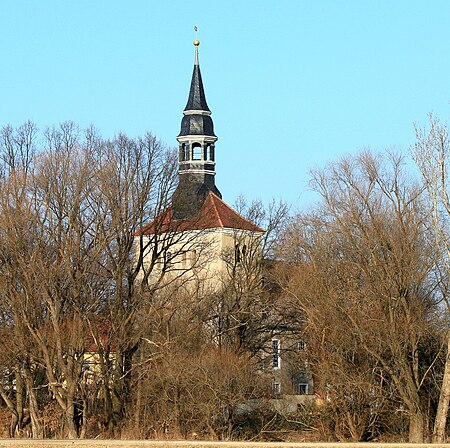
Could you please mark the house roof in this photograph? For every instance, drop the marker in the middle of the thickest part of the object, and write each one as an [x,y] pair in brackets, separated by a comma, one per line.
[214,213]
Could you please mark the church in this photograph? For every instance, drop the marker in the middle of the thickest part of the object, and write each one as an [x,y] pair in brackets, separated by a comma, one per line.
[202,235]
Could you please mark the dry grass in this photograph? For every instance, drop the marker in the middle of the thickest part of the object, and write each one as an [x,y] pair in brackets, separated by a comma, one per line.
[22,443]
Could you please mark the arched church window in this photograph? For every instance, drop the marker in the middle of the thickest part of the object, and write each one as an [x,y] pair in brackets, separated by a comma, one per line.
[196,151]
[183,153]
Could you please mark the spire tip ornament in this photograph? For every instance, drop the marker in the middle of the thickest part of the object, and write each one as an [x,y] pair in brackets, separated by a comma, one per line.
[196,44]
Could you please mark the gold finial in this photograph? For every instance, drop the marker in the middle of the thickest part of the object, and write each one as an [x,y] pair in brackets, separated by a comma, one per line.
[196,42]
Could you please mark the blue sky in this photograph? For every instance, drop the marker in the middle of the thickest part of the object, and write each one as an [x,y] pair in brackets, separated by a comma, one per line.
[292,84]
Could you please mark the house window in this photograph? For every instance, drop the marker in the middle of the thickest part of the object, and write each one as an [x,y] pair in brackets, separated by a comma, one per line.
[276,387]
[301,345]
[301,388]
[276,361]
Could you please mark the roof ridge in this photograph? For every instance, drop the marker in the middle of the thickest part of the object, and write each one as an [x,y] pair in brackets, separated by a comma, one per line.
[237,213]
[213,196]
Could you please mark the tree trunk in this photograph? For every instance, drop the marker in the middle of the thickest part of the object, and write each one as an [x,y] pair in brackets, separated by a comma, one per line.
[12,409]
[83,419]
[36,427]
[444,398]
[109,407]
[70,422]
[13,425]
[416,426]
[19,399]
[105,367]
[352,427]
[138,405]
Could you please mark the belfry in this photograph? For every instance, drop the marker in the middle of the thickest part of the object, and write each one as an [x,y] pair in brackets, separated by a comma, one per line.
[197,165]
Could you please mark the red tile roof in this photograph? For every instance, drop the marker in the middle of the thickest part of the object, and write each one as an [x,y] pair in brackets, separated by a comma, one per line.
[214,213]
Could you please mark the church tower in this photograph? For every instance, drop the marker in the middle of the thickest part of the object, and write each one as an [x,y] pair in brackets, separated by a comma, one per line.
[209,233]
[197,165]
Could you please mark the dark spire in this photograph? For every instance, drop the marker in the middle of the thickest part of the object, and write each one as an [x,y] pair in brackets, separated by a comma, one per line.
[197,98]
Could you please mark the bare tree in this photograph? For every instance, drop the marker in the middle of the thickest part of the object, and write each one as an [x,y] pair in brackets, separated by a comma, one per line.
[68,249]
[190,386]
[55,267]
[244,311]
[133,183]
[17,149]
[432,154]
[366,297]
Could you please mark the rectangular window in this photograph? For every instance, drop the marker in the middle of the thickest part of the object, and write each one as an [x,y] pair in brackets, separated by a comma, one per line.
[237,254]
[276,387]
[276,361]
[301,345]
[301,388]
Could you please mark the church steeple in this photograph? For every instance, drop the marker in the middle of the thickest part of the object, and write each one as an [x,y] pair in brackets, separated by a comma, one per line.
[196,140]
[197,99]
